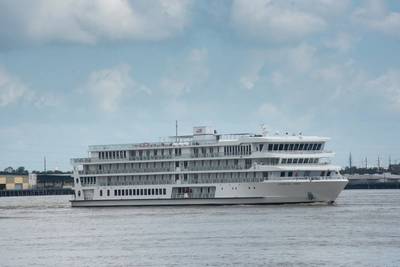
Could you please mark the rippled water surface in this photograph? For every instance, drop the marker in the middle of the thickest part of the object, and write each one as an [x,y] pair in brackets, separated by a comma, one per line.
[362,229]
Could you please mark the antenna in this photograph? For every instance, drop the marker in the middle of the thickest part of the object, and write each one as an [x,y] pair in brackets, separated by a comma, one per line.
[264,129]
[176,131]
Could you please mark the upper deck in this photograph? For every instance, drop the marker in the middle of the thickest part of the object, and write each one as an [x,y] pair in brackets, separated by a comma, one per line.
[210,138]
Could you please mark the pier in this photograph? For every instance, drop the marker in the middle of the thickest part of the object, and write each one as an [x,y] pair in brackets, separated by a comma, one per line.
[373,181]
[36,192]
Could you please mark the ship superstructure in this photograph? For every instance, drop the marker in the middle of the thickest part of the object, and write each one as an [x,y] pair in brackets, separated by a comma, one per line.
[209,168]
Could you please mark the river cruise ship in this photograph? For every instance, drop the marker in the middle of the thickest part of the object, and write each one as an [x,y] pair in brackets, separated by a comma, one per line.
[208,168]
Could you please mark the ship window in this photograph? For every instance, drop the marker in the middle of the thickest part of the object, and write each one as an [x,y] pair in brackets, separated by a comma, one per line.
[291,146]
[164,191]
[289,161]
[130,192]
[145,192]
[314,147]
[79,193]
[301,146]
[276,147]
[284,161]
[149,191]
[270,146]
[290,174]
[115,192]
[296,146]
[152,191]
[323,173]
[305,161]
[319,146]
[108,192]
[133,192]
[286,147]
[123,192]
[119,192]
[328,173]
[77,180]
[280,147]
[265,175]
[282,174]
[301,161]
[295,161]
[141,192]
[306,146]
[101,193]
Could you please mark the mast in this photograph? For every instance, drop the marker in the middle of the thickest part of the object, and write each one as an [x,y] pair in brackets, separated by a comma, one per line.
[176,131]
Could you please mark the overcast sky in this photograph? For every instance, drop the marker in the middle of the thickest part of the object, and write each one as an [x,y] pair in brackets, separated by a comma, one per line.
[75,73]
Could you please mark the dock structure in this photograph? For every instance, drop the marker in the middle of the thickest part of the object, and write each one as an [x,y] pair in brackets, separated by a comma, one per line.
[373,181]
[36,192]
[39,185]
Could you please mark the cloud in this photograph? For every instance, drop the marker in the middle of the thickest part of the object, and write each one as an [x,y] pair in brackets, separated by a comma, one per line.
[186,74]
[274,21]
[375,16]
[302,57]
[11,88]
[108,87]
[388,86]
[252,76]
[343,41]
[282,119]
[88,22]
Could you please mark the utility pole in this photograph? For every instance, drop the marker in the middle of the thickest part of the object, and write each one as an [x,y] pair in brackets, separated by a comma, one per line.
[366,162]
[350,161]
[379,163]
[44,163]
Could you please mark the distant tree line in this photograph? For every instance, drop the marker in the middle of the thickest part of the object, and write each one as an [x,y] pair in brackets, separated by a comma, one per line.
[19,170]
[393,168]
[22,170]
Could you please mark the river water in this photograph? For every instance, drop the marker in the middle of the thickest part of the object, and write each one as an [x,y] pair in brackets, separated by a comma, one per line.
[361,229]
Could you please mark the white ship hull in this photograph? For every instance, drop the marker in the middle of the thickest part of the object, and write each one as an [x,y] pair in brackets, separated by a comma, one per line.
[267,192]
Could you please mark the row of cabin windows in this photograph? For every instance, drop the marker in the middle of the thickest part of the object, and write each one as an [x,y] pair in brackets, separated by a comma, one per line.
[307,173]
[299,161]
[139,153]
[88,180]
[237,150]
[157,165]
[204,151]
[294,147]
[112,155]
[155,152]
[138,192]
